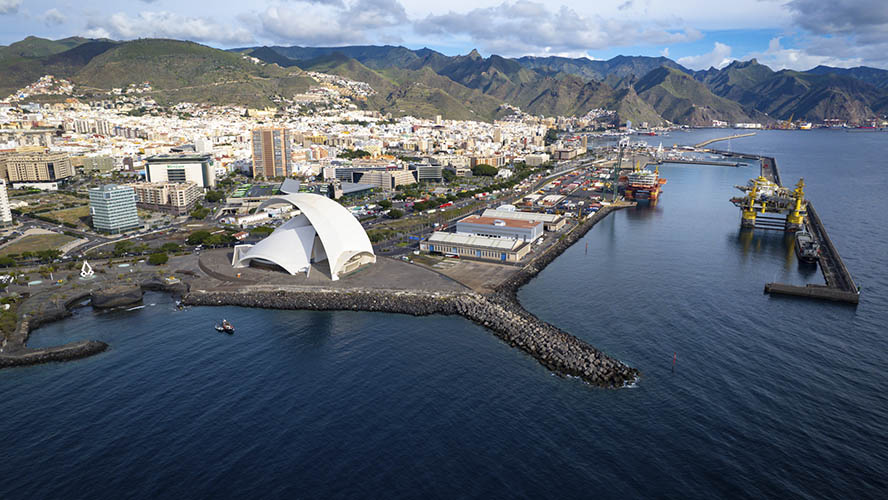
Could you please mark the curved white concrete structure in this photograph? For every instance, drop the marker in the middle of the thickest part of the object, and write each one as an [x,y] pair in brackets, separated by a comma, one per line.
[324,230]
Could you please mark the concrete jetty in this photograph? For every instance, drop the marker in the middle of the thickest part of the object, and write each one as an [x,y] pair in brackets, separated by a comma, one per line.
[710,141]
[701,162]
[840,287]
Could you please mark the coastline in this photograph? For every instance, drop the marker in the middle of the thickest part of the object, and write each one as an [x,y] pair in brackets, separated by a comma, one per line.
[500,312]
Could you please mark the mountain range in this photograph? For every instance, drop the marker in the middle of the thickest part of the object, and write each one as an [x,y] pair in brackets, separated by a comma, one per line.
[424,82]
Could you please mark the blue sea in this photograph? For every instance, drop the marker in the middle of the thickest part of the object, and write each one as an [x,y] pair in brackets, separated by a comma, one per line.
[768,397]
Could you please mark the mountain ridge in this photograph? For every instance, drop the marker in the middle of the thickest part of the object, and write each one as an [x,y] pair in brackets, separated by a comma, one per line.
[425,82]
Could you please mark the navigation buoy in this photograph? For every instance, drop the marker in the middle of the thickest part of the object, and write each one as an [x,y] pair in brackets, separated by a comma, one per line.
[674,359]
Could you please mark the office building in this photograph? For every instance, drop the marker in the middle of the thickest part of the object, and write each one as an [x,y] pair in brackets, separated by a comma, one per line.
[425,172]
[271,152]
[113,209]
[5,212]
[524,230]
[168,197]
[535,160]
[88,164]
[386,180]
[180,168]
[37,166]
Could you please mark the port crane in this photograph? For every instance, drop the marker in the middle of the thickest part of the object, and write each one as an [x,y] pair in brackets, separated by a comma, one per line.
[615,175]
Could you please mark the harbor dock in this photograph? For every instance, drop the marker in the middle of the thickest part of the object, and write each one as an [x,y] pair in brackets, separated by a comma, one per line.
[840,287]
[736,136]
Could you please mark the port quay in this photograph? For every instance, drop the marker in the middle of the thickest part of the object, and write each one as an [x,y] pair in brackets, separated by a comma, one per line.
[840,286]
[394,286]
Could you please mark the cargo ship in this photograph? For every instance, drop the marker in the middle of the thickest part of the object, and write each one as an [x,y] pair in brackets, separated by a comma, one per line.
[806,247]
[643,184]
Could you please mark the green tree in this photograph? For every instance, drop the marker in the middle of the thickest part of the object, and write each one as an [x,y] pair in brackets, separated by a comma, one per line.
[200,212]
[395,213]
[158,258]
[449,175]
[197,237]
[214,196]
[122,247]
[170,247]
[551,136]
[385,204]
[353,153]
[484,170]
[7,261]
[261,231]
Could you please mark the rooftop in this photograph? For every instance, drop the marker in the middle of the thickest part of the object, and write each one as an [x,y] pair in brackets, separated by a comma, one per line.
[501,221]
[469,240]
[529,216]
[177,157]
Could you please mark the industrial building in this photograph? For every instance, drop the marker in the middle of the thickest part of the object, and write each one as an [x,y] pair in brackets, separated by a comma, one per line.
[36,167]
[271,152]
[551,222]
[181,168]
[491,227]
[113,209]
[324,230]
[476,247]
[168,197]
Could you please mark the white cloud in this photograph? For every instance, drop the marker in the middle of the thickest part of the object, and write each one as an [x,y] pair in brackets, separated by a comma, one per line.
[162,24]
[523,26]
[330,22]
[53,17]
[719,57]
[9,6]
[778,57]
[665,52]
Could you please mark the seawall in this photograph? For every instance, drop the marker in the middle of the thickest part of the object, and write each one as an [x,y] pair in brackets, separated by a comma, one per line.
[555,349]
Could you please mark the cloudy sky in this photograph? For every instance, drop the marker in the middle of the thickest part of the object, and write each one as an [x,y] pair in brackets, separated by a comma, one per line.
[797,34]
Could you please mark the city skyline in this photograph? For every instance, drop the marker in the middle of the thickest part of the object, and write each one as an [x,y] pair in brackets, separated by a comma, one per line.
[795,34]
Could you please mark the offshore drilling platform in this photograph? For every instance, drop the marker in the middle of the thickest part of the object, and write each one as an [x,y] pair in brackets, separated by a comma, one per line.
[766,205]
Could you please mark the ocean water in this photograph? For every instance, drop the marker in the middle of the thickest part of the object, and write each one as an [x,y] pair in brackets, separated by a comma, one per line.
[769,397]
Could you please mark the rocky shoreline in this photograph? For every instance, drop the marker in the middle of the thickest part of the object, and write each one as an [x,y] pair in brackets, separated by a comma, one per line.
[500,312]
[15,352]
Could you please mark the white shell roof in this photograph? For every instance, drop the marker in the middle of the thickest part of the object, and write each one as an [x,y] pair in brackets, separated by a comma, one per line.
[290,245]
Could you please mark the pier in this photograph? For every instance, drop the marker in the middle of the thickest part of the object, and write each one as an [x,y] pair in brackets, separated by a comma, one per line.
[710,141]
[840,287]
[701,162]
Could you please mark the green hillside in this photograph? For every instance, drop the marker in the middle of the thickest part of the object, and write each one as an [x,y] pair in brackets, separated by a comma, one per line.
[33,46]
[816,97]
[679,98]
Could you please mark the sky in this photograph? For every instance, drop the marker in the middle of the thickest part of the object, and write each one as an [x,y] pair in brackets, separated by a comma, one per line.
[794,34]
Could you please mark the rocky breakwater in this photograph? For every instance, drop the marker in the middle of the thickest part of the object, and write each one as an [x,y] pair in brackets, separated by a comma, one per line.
[555,349]
[116,296]
[14,351]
